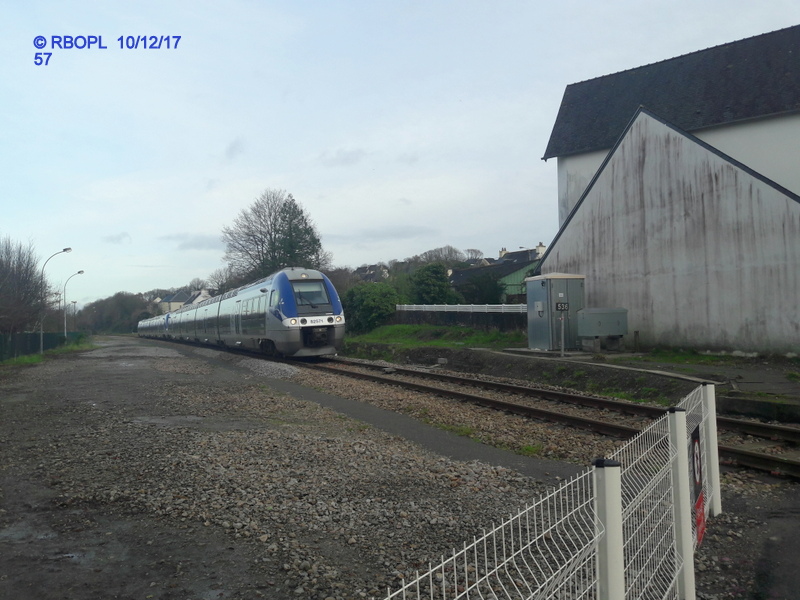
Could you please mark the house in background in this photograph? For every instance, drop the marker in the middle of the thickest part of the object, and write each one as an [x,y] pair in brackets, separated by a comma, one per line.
[510,269]
[175,301]
[678,195]
[372,273]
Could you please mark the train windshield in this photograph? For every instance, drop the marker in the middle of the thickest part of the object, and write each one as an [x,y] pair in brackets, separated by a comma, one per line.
[310,294]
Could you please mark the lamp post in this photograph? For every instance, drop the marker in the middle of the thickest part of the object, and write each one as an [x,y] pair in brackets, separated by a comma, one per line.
[44,304]
[65,302]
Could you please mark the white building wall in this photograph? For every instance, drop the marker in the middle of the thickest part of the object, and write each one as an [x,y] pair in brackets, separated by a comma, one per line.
[701,252]
[769,146]
[574,175]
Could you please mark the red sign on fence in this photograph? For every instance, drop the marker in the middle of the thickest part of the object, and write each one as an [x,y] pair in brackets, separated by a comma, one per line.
[697,480]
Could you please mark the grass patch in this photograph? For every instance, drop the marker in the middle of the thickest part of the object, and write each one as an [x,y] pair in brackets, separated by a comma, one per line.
[462,430]
[80,346]
[678,356]
[34,359]
[793,376]
[28,359]
[415,336]
[531,450]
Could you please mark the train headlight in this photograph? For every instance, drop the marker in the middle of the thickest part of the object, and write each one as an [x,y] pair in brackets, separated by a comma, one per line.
[339,319]
[330,319]
[303,321]
[292,321]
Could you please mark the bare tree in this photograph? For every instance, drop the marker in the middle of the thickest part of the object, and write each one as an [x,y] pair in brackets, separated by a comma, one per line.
[447,255]
[343,279]
[273,233]
[23,293]
[197,284]
[224,279]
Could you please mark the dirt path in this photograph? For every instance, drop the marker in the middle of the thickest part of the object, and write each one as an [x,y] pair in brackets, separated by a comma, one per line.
[54,546]
[140,470]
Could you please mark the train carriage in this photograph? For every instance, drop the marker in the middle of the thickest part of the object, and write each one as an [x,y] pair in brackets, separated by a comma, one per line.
[295,312]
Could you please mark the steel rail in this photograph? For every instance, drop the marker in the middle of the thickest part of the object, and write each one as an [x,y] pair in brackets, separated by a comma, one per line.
[746,458]
[764,430]
[761,461]
[604,427]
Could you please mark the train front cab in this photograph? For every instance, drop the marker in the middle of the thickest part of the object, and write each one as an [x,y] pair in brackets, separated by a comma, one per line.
[305,314]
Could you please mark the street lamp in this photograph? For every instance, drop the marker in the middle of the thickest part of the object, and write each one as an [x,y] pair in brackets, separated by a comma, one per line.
[65,302]
[44,304]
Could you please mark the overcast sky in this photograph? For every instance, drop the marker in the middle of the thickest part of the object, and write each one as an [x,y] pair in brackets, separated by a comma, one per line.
[400,126]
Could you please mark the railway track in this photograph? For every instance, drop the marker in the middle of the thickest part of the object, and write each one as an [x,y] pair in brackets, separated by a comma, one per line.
[752,444]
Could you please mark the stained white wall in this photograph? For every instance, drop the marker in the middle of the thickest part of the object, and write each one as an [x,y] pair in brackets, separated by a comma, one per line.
[770,146]
[699,251]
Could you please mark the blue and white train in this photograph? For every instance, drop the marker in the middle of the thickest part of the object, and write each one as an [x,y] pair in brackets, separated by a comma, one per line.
[295,312]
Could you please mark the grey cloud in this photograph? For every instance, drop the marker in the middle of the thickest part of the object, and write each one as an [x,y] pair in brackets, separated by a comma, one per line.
[190,241]
[234,149]
[118,238]
[409,158]
[342,158]
[377,234]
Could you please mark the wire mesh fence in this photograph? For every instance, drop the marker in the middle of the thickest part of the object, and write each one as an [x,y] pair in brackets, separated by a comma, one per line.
[545,551]
[651,560]
[550,550]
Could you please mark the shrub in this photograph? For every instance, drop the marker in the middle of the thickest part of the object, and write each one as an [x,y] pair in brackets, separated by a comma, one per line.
[369,305]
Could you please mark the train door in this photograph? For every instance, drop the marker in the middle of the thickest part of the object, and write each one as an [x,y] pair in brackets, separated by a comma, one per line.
[237,318]
[272,318]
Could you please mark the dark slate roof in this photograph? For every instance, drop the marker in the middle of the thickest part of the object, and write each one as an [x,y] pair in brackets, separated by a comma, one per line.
[181,296]
[500,269]
[747,79]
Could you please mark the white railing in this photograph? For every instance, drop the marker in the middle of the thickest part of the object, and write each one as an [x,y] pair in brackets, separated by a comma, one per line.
[465,308]
[625,529]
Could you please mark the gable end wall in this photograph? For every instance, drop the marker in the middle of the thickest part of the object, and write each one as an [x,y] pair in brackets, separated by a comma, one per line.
[700,251]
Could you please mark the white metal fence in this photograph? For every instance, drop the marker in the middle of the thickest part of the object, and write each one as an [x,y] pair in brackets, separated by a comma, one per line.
[465,308]
[626,528]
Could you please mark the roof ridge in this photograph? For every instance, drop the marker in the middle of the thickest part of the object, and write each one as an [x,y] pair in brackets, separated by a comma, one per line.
[665,60]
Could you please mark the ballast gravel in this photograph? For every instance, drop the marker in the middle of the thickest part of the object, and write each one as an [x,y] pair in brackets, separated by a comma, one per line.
[321,505]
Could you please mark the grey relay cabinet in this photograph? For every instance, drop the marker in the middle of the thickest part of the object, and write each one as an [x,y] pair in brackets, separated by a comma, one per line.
[551,298]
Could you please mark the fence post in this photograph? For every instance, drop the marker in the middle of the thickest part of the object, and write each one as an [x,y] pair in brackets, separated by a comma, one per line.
[682,502]
[608,507]
[710,426]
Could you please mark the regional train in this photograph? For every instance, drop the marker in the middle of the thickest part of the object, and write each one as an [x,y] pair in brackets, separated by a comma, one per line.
[294,313]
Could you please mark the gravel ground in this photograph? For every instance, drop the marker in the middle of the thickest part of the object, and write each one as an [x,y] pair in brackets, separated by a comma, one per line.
[143,470]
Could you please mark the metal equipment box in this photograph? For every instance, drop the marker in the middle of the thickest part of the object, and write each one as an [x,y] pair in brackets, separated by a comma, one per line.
[602,328]
[553,303]
[602,322]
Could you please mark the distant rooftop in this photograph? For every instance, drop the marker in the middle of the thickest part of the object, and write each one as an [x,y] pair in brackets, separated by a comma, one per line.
[748,79]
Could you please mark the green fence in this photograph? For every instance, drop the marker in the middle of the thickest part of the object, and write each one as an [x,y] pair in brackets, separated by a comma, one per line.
[20,344]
